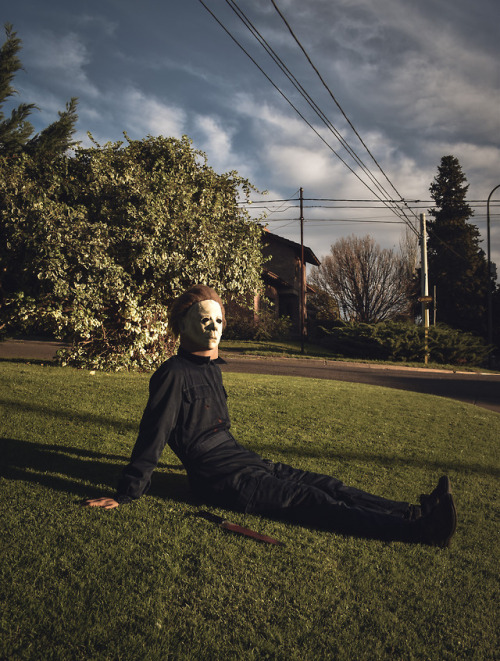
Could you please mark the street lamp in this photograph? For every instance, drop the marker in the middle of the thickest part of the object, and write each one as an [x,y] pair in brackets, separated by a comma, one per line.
[490,283]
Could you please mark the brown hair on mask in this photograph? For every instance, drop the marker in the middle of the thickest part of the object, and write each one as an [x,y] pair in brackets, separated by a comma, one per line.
[195,294]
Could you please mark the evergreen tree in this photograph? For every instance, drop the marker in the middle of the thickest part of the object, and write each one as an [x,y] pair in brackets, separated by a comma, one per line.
[457,265]
[56,138]
[16,130]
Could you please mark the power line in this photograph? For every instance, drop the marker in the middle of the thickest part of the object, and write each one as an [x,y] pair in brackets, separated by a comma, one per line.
[334,99]
[337,199]
[279,62]
[271,81]
[292,220]
[362,222]
[350,206]
[290,199]
[395,210]
[474,203]
[279,220]
[312,221]
[324,199]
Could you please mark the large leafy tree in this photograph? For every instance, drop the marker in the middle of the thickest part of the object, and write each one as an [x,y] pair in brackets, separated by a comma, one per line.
[16,132]
[457,264]
[96,246]
[366,283]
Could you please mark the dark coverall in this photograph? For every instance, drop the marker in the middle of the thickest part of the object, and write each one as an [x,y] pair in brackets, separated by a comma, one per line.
[187,409]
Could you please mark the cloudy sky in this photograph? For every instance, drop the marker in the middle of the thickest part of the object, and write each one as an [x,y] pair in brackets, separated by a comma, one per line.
[417,80]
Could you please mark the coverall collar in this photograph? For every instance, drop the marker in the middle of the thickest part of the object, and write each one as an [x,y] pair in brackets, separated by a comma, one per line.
[199,360]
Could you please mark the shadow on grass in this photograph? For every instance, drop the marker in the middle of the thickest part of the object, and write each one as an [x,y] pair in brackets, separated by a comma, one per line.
[385,460]
[87,473]
[69,415]
[29,361]
[65,468]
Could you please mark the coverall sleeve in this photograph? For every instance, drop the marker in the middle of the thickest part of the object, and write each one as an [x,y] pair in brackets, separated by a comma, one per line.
[157,423]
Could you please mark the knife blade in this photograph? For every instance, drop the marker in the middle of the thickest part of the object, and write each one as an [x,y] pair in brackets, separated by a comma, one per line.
[240,530]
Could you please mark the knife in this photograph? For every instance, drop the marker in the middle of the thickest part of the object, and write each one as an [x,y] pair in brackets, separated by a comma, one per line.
[241,530]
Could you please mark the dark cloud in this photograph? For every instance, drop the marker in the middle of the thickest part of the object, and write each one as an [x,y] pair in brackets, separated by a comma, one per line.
[418,80]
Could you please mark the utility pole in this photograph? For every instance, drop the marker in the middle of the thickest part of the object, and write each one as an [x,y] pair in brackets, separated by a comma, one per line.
[424,285]
[490,281]
[302,275]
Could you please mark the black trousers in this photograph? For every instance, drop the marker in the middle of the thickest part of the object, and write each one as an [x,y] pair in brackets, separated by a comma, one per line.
[311,499]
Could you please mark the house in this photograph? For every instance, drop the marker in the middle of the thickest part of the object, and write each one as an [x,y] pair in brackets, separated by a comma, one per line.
[282,277]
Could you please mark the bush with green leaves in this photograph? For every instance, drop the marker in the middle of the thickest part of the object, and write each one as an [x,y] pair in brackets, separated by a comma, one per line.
[404,341]
[95,247]
[449,345]
[243,324]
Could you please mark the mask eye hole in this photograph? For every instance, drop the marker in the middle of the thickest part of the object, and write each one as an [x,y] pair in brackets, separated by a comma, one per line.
[219,321]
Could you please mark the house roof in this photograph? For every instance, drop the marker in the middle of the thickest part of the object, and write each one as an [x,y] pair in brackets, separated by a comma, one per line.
[309,256]
[271,278]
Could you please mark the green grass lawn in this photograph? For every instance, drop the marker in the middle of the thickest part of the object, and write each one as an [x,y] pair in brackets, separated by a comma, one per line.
[154,580]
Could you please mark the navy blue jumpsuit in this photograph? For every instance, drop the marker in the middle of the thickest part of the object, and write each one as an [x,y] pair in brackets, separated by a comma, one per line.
[187,409]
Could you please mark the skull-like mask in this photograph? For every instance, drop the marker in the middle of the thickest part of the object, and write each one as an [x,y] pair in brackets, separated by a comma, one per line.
[201,327]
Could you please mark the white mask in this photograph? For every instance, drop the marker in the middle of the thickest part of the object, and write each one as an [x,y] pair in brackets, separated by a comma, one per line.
[202,325]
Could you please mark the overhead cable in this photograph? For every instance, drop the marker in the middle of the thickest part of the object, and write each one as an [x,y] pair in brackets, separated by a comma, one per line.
[279,62]
[395,209]
[333,97]
[343,199]
[298,111]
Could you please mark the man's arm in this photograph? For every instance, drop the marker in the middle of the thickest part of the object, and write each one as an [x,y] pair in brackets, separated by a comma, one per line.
[158,421]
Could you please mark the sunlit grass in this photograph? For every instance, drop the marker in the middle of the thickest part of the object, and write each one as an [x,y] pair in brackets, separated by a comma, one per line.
[154,580]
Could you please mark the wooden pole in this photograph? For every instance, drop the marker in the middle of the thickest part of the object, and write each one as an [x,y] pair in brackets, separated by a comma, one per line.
[490,280]
[424,284]
[302,275]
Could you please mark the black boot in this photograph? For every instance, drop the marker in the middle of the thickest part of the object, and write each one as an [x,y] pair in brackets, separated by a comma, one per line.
[428,502]
[439,525]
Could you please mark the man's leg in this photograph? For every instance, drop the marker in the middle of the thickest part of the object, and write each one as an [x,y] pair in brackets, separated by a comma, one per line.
[305,504]
[345,494]
[298,501]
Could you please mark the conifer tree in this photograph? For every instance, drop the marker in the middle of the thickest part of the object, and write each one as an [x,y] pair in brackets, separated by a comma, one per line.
[15,130]
[457,264]
[56,138]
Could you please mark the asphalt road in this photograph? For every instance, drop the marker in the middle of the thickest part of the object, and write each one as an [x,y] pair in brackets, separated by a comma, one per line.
[478,389]
[29,349]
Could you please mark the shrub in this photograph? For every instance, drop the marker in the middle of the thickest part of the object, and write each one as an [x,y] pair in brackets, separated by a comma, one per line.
[94,247]
[448,345]
[242,324]
[394,340]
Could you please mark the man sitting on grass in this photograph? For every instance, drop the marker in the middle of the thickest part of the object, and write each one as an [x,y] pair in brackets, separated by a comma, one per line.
[187,409]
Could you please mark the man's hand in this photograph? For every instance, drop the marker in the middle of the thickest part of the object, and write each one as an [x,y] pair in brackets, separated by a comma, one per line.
[107,503]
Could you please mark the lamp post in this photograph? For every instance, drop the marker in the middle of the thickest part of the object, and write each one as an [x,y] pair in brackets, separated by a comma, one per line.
[490,284]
